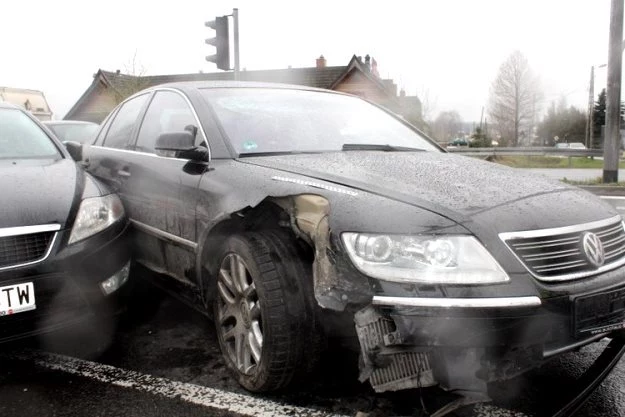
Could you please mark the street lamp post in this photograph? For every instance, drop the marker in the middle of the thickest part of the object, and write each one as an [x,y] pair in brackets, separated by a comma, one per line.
[613,99]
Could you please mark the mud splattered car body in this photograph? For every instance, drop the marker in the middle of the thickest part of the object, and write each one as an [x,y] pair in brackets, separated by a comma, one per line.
[302,213]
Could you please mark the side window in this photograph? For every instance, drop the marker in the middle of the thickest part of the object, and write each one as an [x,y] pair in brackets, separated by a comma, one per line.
[168,112]
[103,129]
[120,131]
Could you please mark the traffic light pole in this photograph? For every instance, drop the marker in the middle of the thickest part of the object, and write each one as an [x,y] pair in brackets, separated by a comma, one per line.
[235,21]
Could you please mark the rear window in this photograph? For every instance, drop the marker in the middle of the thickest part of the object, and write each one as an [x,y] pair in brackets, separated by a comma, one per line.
[22,138]
[79,132]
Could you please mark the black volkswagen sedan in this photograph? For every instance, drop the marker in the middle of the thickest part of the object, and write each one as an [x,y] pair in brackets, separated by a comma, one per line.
[296,217]
[64,255]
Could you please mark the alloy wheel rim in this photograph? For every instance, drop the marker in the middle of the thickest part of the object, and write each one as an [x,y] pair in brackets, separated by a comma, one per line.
[238,314]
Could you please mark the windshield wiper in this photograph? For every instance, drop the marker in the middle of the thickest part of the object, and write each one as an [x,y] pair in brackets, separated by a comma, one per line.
[373,147]
[275,153]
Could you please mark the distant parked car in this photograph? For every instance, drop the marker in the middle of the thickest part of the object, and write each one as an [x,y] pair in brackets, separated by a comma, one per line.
[64,252]
[572,145]
[577,145]
[459,142]
[73,130]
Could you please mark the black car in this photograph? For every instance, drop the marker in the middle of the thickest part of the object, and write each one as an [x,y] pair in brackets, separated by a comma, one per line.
[301,216]
[64,251]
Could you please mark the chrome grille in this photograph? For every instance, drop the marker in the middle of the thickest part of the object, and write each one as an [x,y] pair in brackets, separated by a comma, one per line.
[557,254]
[25,245]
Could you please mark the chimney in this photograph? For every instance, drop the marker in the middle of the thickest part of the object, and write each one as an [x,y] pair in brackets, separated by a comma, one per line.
[402,93]
[367,62]
[321,62]
[117,72]
[374,68]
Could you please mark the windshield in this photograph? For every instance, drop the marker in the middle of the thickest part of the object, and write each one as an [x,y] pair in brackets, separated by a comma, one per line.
[262,120]
[79,132]
[21,138]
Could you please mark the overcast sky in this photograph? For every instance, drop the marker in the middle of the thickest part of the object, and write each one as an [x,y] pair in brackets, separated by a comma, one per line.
[448,48]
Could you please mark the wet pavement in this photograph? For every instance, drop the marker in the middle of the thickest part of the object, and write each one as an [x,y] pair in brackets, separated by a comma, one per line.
[165,361]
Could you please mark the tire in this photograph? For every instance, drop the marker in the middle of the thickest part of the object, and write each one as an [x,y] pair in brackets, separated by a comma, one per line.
[263,310]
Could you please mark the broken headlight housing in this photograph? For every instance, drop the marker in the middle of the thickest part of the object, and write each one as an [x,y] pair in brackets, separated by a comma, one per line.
[424,259]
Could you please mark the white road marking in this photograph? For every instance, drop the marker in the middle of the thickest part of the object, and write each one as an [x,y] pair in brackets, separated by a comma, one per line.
[195,394]
[199,395]
[612,197]
[487,410]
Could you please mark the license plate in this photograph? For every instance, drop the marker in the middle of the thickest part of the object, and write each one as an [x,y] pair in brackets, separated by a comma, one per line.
[17,298]
[600,313]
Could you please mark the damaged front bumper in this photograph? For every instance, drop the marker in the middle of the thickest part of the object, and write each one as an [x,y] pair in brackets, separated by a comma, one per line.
[460,344]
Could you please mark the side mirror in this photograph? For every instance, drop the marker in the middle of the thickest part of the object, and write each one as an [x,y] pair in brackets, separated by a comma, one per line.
[74,149]
[175,141]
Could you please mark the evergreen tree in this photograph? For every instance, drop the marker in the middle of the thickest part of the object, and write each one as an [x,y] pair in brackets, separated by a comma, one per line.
[598,119]
[568,124]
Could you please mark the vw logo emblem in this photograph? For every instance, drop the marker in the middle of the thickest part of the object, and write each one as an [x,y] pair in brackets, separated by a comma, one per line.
[593,249]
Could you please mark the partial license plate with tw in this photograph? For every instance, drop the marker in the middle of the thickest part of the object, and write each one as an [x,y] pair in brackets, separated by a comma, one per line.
[17,298]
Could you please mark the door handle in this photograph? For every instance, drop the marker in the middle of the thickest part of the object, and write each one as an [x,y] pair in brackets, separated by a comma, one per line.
[123,173]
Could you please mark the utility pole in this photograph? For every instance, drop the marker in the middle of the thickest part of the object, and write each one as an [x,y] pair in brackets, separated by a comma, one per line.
[613,111]
[481,118]
[591,106]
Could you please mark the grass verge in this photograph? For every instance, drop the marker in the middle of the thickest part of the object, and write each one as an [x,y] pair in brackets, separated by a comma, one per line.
[550,162]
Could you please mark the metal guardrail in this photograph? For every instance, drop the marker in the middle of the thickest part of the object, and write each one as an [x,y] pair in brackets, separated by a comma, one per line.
[527,151]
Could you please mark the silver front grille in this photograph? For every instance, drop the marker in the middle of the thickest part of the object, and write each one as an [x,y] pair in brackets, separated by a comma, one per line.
[26,245]
[557,254]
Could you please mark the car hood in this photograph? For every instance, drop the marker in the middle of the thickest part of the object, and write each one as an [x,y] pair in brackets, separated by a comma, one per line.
[460,188]
[37,192]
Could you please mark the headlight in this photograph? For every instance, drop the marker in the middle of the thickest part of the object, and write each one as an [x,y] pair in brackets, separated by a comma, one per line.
[96,214]
[423,259]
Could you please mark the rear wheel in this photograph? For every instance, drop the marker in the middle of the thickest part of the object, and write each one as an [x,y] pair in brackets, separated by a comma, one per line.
[264,314]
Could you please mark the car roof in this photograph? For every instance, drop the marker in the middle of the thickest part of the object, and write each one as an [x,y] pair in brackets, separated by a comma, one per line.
[192,85]
[67,122]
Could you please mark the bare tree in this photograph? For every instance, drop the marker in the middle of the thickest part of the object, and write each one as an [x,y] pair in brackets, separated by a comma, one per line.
[428,103]
[131,81]
[446,126]
[514,98]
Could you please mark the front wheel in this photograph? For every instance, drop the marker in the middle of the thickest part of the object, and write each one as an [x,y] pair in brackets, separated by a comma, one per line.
[264,313]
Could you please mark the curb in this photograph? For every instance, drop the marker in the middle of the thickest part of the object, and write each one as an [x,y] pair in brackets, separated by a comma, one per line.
[609,190]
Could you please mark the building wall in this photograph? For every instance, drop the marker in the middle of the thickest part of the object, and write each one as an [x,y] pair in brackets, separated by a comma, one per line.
[97,106]
[32,100]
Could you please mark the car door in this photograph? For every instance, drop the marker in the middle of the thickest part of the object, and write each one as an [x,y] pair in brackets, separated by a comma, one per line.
[161,189]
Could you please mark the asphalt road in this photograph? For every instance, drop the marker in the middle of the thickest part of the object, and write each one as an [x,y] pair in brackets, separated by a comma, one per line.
[165,361]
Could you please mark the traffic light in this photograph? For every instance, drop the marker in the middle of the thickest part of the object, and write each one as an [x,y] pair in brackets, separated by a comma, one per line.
[221,42]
